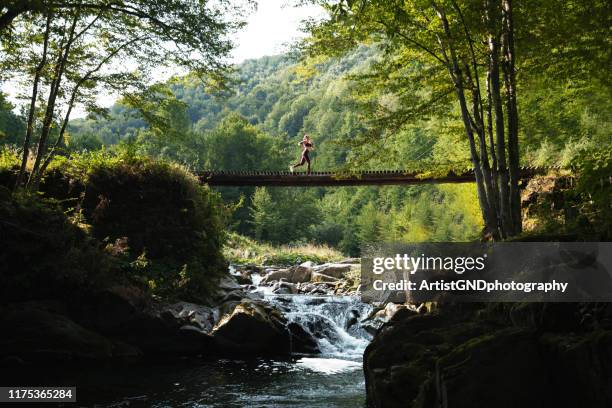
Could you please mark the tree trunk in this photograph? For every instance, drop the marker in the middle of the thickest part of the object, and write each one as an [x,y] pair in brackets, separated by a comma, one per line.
[494,175]
[484,160]
[31,113]
[49,113]
[468,124]
[500,143]
[512,112]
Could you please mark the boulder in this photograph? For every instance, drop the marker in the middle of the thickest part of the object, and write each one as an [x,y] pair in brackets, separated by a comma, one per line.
[318,277]
[252,328]
[504,369]
[284,288]
[295,274]
[302,341]
[111,308]
[255,328]
[403,354]
[226,286]
[33,334]
[301,273]
[244,278]
[334,270]
[229,283]
[448,357]
[276,275]
[170,329]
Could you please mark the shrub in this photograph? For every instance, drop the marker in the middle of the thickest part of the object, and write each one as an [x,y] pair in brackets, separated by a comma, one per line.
[172,226]
[44,255]
[592,194]
[161,225]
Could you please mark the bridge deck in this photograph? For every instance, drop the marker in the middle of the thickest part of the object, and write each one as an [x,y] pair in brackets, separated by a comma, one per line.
[382,177]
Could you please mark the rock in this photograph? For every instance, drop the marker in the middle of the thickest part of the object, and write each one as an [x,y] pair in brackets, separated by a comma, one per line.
[317,277]
[244,278]
[237,294]
[390,309]
[579,368]
[334,270]
[301,273]
[504,369]
[448,357]
[35,335]
[253,328]
[284,288]
[302,341]
[295,274]
[308,264]
[176,329]
[403,354]
[255,295]
[350,261]
[229,283]
[306,287]
[276,275]
[253,268]
[228,287]
[112,308]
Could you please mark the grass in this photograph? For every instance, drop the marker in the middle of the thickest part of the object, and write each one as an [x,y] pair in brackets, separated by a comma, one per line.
[243,250]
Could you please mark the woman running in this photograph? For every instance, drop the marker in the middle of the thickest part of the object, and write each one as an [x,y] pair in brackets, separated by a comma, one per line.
[307,146]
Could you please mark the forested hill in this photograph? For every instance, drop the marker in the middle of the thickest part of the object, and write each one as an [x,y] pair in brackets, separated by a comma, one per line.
[275,100]
[275,94]
[282,99]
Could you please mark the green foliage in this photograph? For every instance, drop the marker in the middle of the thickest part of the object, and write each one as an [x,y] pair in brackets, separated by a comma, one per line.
[9,158]
[163,228]
[562,111]
[235,144]
[44,255]
[12,126]
[284,215]
[592,194]
[171,224]
[574,204]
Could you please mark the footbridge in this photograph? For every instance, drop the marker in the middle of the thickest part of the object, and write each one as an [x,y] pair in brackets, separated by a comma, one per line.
[330,179]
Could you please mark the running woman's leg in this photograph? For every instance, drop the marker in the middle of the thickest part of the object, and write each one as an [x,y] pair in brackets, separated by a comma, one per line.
[307,158]
[301,162]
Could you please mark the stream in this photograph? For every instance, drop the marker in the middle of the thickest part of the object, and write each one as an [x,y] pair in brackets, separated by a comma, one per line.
[333,378]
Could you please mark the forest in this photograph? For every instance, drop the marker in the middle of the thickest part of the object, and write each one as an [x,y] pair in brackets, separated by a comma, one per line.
[255,125]
[127,274]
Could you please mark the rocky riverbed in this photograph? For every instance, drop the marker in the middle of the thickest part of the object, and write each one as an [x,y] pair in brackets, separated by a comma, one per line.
[123,323]
[292,335]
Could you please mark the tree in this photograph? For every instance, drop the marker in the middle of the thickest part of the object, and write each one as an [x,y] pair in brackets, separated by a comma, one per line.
[437,49]
[69,51]
[12,126]
[235,144]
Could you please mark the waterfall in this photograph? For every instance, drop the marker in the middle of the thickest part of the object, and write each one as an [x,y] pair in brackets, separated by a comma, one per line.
[334,321]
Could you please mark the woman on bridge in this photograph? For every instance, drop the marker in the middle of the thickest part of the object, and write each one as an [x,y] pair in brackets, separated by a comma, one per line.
[307,146]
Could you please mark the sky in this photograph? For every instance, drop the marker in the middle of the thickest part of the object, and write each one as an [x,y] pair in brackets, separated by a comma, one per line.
[270,30]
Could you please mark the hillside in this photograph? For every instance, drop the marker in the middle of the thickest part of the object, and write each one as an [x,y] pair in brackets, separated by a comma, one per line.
[274,100]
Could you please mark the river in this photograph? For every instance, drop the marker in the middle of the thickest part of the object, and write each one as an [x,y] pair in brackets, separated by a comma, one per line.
[333,378]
